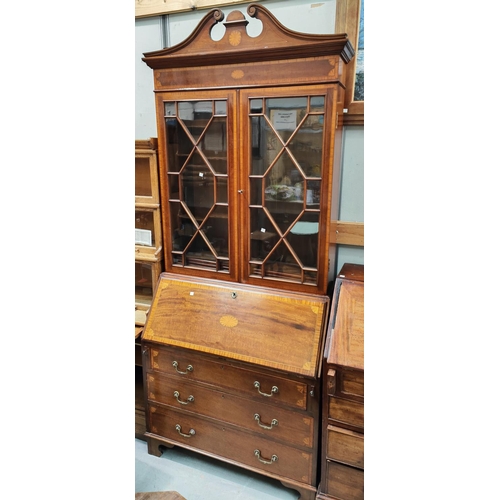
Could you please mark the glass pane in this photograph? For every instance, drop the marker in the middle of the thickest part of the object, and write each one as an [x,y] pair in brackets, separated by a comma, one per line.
[144,228]
[170,109]
[173,186]
[317,104]
[263,235]
[179,145]
[255,105]
[197,182]
[313,192]
[307,146]
[285,114]
[143,281]
[261,153]
[303,238]
[286,168]
[281,179]
[199,253]
[221,189]
[186,111]
[215,229]
[284,214]
[183,228]
[256,191]
[214,145]
[220,107]
[197,173]
[142,177]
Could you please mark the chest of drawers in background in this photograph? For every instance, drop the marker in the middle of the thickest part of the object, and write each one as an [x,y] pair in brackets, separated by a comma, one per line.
[233,372]
[342,452]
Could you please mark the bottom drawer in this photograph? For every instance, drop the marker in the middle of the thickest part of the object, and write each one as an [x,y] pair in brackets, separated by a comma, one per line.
[344,482]
[227,442]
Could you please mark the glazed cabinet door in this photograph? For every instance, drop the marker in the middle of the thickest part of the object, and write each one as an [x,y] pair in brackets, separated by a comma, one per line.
[197,177]
[288,163]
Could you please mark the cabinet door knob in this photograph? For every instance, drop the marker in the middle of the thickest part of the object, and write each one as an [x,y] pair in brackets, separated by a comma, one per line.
[240,191]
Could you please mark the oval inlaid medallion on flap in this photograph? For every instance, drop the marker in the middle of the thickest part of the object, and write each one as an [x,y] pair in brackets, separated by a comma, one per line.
[228,320]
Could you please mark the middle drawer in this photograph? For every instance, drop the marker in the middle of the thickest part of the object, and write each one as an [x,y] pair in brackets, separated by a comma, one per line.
[295,428]
[188,365]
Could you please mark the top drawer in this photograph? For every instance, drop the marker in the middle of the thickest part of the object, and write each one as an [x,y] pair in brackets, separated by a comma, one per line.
[348,384]
[263,386]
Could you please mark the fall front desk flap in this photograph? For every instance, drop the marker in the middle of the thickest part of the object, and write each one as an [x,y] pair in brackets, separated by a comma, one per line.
[276,329]
[348,327]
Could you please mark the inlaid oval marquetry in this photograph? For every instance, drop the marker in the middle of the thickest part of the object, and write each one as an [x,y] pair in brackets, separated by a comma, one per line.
[315,309]
[228,320]
[235,38]
[237,74]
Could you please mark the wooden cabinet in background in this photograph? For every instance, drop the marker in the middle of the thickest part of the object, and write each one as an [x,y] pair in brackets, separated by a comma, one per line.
[342,456]
[232,371]
[148,255]
[147,192]
[148,227]
[250,154]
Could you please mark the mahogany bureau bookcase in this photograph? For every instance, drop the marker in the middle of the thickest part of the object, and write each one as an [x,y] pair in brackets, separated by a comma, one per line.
[342,434]
[249,147]
[232,371]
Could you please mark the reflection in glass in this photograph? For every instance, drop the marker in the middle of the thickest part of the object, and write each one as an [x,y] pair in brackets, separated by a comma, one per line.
[144,228]
[143,281]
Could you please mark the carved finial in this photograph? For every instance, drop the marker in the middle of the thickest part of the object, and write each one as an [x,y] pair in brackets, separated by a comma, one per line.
[252,11]
[218,15]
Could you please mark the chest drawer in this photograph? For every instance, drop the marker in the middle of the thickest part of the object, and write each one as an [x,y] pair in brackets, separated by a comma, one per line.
[255,452]
[286,425]
[260,385]
[344,482]
[347,384]
[345,446]
[347,413]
